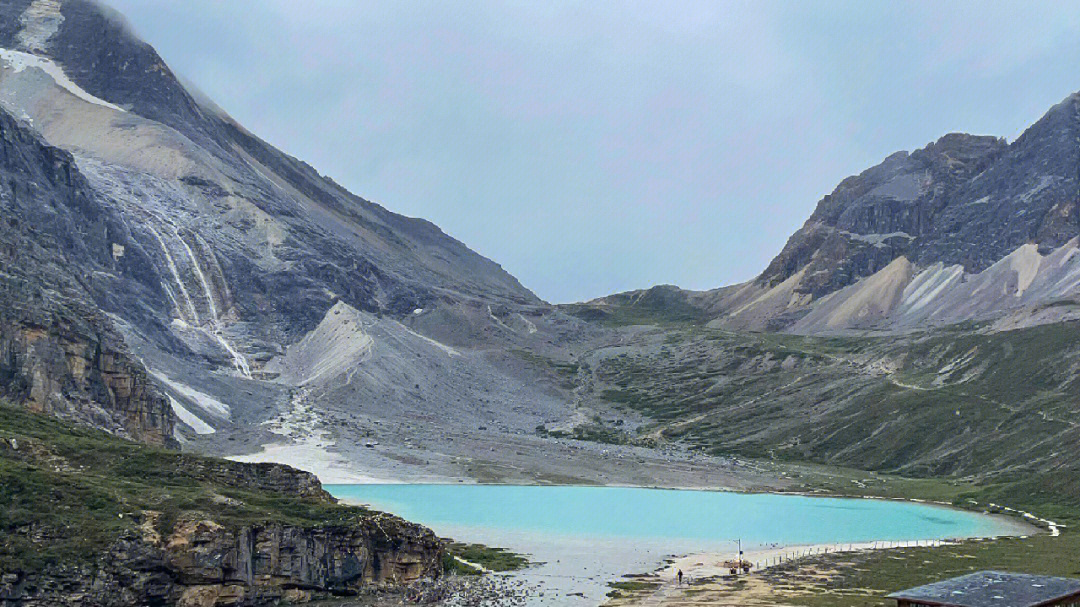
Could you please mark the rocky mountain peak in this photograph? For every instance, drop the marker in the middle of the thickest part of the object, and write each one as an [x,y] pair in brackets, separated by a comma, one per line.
[963,199]
[955,209]
[210,251]
[98,50]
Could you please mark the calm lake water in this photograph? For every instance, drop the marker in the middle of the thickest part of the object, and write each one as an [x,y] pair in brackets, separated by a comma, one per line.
[698,516]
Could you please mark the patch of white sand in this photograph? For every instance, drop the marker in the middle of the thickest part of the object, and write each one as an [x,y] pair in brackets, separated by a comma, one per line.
[709,564]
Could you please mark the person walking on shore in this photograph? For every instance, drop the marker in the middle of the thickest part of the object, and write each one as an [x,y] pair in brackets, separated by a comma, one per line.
[679,574]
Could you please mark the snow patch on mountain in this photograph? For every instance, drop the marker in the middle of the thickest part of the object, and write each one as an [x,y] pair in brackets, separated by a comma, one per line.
[204,401]
[190,419]
[877,240]
[17,61]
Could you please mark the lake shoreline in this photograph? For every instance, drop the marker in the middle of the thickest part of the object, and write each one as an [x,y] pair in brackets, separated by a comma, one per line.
[1027,521]
[572,563]
[710,564]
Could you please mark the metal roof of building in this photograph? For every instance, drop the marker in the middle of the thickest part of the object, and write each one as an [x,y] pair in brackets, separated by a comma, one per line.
[993,589]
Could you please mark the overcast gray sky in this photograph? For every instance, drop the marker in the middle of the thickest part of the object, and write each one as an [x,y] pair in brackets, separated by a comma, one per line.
[593,147]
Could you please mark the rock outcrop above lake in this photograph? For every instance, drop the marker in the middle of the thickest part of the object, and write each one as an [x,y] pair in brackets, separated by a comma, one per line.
[205,564]
[92,520]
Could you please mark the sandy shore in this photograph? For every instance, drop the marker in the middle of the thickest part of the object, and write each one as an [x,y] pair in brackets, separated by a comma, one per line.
[706,581]
[710,564]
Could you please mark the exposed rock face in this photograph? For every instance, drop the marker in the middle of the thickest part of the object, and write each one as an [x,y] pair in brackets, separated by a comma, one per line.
[52,366]
[242,197]
[203,564]
[263,477]
[58,353]
[210,559]
[963,200]
[131,526]
[895,208]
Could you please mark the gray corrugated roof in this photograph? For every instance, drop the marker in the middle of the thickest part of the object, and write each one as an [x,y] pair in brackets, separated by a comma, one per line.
[993,589]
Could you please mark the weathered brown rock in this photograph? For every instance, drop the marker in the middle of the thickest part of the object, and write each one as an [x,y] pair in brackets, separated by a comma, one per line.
[69,371]
[206,564]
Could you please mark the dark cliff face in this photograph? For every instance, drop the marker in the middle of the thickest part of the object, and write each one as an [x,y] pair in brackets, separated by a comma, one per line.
[890,210]
[961,200]
[58,353]
[205,564]
[1029,194]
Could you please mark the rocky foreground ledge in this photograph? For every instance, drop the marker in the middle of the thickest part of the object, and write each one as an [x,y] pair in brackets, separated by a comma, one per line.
[90,519]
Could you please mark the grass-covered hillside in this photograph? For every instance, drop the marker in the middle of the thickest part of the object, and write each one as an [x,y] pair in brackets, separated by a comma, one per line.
[70,492]
[1000,408]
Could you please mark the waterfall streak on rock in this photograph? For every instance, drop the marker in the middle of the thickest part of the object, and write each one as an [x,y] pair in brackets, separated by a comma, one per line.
[176,275]
[207,291]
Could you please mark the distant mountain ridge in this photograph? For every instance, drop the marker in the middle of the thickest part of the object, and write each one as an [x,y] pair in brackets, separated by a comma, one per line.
[968,227]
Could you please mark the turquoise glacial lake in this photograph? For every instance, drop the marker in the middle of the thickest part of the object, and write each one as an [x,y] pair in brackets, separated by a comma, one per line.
[658,514]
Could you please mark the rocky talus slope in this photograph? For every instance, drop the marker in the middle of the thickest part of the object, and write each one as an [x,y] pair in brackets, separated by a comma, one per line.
[90,519]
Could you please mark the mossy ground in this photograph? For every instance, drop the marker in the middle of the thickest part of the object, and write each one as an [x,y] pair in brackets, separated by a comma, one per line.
[625,587]
[968,410]
[493,559]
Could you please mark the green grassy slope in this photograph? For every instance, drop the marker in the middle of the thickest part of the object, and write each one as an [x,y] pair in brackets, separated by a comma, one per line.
[68,491]
[998,407]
